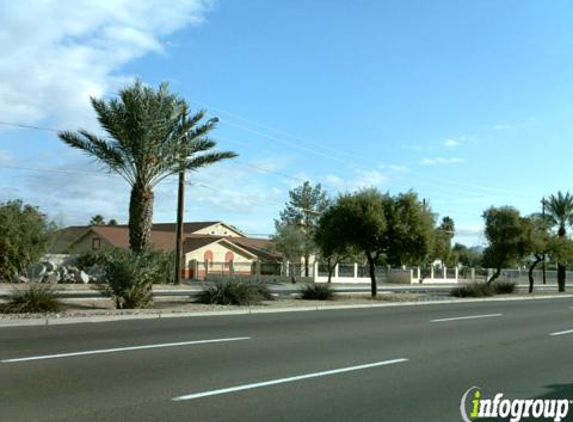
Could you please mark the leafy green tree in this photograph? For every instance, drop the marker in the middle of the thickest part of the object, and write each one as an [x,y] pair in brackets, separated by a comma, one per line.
[97,220]
[112,222]
[331,244]
[25,234]
[537,242]
[305,205]
[152,135]
[467,256]
[361,225]
[409,235]
[504,231]
[559,209]
[290,241]
[443,236]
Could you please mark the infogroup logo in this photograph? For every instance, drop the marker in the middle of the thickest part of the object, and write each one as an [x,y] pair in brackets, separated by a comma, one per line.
[474,406]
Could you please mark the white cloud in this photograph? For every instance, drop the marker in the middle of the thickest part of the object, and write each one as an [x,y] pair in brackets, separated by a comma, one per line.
[439,161]
[451,143]
[6,158]
[55,54]
[360,180]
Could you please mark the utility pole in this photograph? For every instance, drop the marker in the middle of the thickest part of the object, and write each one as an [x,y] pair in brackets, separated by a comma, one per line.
[543,263]
[180,210]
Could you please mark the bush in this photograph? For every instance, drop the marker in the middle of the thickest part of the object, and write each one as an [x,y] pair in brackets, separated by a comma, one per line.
[26,234]
[128,279]
[473,290]
[89,259]
[37,298]
[503,287]
[234,292]
[318,292]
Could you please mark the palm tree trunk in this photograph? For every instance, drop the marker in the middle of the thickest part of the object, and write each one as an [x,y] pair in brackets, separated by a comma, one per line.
[140,218]
[561,274]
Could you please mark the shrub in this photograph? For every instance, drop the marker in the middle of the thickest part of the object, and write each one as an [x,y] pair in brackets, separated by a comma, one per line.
[37,298]
[318,292]
[88,259]
[473,290]
[234,292]
[26,234]
[128,279]
[504,287]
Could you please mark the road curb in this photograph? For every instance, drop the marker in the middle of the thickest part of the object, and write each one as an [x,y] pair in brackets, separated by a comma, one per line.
[57,320]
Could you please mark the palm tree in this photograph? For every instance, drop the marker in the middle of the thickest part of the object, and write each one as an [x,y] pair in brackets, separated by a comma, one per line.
[151,136]
[560,212]
[97,220]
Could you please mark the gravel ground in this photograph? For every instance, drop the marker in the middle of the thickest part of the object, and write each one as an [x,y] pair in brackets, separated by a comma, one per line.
[78,308]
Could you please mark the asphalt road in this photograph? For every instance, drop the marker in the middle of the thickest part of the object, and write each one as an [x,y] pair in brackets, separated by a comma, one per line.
[409,363]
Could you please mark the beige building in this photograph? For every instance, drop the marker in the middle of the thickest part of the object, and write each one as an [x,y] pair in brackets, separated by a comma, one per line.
[208,247]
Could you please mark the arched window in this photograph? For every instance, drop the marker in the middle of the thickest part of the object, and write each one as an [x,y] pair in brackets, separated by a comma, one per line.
[229,256]
[208,256]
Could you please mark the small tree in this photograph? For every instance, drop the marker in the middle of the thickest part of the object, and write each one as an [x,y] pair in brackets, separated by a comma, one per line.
[25,234]
[97,220]
[330,241]
[467,256]
[537,242]
[409,235]
[443,236]
[361,224]
[290,241]
[306,204]
[560,212]
[504,232]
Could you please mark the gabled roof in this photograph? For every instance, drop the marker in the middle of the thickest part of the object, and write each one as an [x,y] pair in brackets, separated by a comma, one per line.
[163,236]
[190,227]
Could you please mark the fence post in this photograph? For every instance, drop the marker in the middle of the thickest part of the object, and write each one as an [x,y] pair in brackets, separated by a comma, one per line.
[355,270]
[315,270]
[445,272]
[457,271]
[432,273]
[336,271]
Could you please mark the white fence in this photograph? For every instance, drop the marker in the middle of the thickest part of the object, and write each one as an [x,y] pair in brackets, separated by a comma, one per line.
[359,274]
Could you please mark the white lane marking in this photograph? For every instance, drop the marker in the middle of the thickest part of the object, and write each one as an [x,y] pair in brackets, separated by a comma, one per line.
[560,333]
[123,349]
[285,380]
[466,317]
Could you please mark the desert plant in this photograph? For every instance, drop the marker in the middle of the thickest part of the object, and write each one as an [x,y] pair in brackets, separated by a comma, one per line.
[473,290]
[317,292]
[89,259]
[151,136]
[504,287]
[128,279]
[38,298]
[234,292]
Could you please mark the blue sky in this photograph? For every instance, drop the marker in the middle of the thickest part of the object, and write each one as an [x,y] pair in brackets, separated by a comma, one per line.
[469,103]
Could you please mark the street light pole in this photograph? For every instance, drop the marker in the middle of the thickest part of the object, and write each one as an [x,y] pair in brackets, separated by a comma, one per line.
[543,263]
[179,240]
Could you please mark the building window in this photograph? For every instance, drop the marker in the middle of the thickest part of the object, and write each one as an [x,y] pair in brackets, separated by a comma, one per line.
[96,243]
[208,257]
[229,257]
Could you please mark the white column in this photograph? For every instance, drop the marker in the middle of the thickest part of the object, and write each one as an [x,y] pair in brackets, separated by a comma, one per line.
[336,271]
[355,270]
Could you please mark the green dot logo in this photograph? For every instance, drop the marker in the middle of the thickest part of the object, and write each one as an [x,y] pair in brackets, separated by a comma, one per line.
[476,396]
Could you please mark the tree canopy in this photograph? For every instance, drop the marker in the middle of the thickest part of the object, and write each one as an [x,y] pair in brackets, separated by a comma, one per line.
[504,231]
[302,212]
[25,233]
[151,135]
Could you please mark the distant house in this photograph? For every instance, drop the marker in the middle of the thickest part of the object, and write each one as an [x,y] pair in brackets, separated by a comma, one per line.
[213,247]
